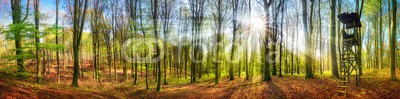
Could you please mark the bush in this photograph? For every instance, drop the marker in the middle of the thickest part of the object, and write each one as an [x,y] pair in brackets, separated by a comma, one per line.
[13,70]
[23,75]
[9,69]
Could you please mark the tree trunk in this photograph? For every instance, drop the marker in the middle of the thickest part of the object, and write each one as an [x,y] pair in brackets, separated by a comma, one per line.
[320,36]
[381,34]
[235,5]
[39,75]
[335,72]
[58,53]
[78,24]
[144,35]
[393,42]
[16,17]
[308,38]
[154,10]
[267,75]
[281,37]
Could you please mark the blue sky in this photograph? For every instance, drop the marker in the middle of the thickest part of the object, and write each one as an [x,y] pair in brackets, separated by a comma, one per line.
[46,6]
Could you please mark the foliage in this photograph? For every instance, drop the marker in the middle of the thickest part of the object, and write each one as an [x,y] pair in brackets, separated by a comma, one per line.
[13,71]
[23,75]
[27,32]
[9,69]
[50,33]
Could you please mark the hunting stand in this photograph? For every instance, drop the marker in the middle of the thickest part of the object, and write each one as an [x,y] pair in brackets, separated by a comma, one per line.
[350,51]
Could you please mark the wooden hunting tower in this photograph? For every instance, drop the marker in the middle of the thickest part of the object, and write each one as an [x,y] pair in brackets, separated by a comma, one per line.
[350,51]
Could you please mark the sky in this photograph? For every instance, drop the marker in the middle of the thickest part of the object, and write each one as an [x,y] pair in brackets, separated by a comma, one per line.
[46,6]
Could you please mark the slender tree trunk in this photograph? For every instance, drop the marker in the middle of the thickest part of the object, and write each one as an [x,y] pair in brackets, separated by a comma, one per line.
[292,53]
[39,75]
[58,53]
[308,38]
[16,17]
[78,29]
[274,37]
[154,10]
[44,61]
[335,72]
[393,41]
[49,61]
[219,27]
[267,75]
[144,35]
[381,33]
[297,43]
[247,52]
[281,37]
[235,5]
[320,36]
[376,44]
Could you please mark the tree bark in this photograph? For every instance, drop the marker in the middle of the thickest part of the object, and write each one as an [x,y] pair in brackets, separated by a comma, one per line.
[393,41]
[308,38]
[267,75]
[57,52]
[78,24]
[37,41]
[335,72]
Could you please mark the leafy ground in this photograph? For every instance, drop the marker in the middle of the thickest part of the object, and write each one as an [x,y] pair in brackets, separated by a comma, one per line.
[375,84]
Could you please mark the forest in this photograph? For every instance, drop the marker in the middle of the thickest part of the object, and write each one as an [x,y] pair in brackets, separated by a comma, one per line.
[199,49]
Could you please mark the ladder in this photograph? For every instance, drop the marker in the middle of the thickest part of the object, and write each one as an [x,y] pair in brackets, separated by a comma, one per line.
[347,60]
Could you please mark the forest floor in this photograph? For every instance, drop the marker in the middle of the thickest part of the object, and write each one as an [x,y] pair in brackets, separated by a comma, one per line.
[374,84]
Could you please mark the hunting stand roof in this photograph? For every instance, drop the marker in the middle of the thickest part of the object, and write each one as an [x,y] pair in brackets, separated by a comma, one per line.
[351,20]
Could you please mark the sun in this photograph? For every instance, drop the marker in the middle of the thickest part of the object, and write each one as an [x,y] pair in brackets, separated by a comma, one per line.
[257,23]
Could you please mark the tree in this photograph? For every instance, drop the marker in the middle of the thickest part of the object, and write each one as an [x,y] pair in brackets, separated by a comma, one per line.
[197,10]
[144,35]
[247,50]
[308,36]
[297,39]
[57,52]
[274,36]
[393,41]
[154,12]
[118,37]
[292,53]
[16,17]
[335,72]
[381,33]
[132,7]
[218,17]
[37,41]
[267,76]
[320,35]
[79,15]
[166,16]
[185,29]
[360,36]
[96,25]
[281,41]
[236,25]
